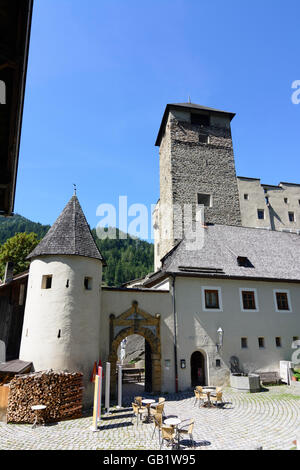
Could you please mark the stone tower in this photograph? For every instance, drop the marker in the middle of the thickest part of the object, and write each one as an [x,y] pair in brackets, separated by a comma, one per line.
[61,328]
[196,168]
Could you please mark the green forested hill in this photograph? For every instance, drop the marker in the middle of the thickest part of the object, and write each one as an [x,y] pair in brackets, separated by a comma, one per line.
[126,259]
[9,226]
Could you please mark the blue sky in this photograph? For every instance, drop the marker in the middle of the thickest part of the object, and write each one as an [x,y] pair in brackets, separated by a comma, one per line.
[101,72]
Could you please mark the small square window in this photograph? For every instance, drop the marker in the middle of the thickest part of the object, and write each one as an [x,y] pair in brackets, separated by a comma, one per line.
[246,197]
[278,342]
[291,216]
[244,343]
[88,283]
[212,299]
[282,301]
[204,200]
[260,214]
[47,282]
[203,138]
[249,300]
[286,200]
[261,342]
[200,119]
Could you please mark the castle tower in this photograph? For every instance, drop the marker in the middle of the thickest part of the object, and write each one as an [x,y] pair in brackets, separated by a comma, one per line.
[196,167]
[61,328]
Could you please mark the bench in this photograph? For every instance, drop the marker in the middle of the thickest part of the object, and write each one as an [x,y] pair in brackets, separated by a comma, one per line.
[132,375]
[269,377]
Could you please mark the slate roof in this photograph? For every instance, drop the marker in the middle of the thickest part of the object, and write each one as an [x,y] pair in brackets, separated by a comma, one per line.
[69,235]
[274,255]
[186,106]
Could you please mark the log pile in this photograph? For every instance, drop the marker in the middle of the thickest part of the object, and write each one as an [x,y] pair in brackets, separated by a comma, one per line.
[61,392]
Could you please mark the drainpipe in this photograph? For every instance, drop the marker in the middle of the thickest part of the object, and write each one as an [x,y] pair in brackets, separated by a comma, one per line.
[175,333]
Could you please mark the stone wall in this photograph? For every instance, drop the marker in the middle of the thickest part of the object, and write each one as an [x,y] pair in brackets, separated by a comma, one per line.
[188,168]
[205,168]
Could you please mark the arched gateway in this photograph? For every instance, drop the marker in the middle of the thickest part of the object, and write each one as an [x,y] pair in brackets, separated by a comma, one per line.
[136,321]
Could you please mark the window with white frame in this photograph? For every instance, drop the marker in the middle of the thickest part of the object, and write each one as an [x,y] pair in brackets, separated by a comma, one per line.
[212,299]
[282,300]
[249,300]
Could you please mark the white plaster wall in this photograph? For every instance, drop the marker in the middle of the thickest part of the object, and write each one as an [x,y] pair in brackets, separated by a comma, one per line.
[116,302]
[197,329]
[72,310]
[256,201]
[276,215]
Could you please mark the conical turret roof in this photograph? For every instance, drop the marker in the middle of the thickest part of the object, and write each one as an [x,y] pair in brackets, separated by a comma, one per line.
[69,235]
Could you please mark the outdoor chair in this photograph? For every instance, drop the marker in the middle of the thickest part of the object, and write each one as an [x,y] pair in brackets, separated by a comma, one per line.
[158,409]
[217,398]
[187,427]
[158,422]
[138,401]
[168,434]
[199,395]
[138,412]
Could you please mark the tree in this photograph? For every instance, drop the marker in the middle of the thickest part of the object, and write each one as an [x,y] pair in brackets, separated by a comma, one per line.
[16,249]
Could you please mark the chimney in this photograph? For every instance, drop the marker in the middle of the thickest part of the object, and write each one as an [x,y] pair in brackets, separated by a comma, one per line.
[9,272]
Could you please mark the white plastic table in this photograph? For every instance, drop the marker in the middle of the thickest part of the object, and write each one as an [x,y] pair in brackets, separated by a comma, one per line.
[174,423]
[148,402]
[38,409]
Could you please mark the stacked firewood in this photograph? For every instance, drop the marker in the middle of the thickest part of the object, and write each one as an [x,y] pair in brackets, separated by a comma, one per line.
[60,392]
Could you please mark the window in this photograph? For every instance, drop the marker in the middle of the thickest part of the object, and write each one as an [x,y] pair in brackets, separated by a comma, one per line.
[218,363]
[260,214]
[278,342]
[204,200]
[88,283]
[211,299]
[47,282]
[246,197]
[248,299]
[200,119]
[244,262]
[282,301]
[286,201]
[261,342]
[203,138]
[291,216]
[21,294]
[244,343]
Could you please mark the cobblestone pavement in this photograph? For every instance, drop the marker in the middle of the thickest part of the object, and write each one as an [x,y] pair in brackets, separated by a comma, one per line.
[269,419]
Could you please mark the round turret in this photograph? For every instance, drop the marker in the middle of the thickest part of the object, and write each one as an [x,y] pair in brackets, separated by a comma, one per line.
[61,328]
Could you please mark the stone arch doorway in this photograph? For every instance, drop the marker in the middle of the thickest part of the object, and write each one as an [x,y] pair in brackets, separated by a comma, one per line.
[136,321]
[198,372]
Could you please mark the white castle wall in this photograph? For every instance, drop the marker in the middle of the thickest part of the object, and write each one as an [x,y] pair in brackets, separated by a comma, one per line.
[61,327]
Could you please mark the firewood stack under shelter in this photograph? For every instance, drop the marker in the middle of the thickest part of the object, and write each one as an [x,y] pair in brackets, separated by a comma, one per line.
[61,392]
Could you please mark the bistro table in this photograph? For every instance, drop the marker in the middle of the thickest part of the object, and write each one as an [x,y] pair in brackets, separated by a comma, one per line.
[208,391]
[148,402]
[39,415]
[173,422]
